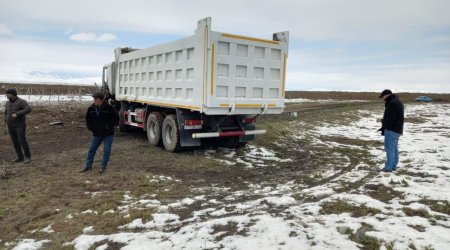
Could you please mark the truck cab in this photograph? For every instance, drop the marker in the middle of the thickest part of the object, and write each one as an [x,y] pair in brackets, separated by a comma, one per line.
[108,81]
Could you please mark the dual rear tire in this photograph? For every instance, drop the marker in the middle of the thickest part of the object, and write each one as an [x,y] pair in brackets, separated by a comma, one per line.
[154,125]
[163,131]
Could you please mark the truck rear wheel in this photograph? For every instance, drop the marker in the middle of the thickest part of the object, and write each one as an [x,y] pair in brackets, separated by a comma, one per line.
[154,127]
[171,134]
[122,126]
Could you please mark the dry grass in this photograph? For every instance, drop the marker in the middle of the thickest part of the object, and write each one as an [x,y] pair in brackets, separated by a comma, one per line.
[340,206]
[382,193]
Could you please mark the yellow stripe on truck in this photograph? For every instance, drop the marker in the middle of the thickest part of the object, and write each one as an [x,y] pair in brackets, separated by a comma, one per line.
[248,105]
[284,75]
[164,104]
[212,70]
[242,105]
[249,38]
[204,65]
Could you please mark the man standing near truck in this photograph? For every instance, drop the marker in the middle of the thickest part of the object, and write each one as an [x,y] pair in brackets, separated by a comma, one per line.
[101,118]
[391,128]
[16,110]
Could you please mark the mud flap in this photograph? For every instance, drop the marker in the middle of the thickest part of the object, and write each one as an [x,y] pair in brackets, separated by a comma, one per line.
[186,139]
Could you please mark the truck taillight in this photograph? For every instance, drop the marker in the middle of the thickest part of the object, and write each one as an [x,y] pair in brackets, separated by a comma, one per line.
[249,120]
[193,122]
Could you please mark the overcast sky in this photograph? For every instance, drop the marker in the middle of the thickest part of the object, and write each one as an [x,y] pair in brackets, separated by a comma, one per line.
[334,45]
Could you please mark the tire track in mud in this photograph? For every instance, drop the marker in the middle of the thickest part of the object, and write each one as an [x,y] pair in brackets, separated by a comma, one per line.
[301,166]
[304,165]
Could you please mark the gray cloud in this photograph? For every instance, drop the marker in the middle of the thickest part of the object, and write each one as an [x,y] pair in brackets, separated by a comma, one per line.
[341,20]
[92,37]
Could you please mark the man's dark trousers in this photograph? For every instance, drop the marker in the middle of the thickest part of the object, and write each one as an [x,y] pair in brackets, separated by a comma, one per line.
[17,134]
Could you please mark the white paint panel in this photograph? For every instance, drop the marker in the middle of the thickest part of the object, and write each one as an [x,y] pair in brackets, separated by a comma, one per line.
[190,74]
[257,92]
[224,48]
[178,74]
[222,91]
[178,93]
[275,74]
[240,92]
[260,52]
[275,54]
[223,70]
[241,71]
[242,50]
[258,73]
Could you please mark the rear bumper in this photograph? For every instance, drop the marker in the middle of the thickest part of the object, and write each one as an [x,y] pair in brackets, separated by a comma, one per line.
[228,133]
[242,111]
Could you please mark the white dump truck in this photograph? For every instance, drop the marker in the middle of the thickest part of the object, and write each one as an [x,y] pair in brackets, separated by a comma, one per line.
[208,85]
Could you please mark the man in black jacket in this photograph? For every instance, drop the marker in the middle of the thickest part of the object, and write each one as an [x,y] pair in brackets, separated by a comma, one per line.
[101,118]
[391,128]
[16,110]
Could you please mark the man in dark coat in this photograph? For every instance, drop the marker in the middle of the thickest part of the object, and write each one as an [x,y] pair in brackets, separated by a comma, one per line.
[101,118]
[16,110]
[391,128]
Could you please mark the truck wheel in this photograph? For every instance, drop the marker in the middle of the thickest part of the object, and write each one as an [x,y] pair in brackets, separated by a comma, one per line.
[122,126]
[154,124]
[171,134]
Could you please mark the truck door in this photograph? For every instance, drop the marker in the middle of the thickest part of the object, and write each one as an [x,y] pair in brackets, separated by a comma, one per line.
[108,77]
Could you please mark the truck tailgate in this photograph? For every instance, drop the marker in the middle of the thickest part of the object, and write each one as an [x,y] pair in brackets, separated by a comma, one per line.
[246,75]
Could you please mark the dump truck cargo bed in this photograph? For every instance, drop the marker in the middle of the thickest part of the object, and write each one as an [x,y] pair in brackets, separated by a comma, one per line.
[211,72]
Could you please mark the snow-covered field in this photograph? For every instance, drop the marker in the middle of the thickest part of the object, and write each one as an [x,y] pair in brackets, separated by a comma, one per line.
[401,210]
[49,98]
[304,100]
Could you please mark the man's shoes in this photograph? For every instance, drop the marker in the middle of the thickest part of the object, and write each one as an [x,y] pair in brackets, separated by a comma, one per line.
[384,170]
[18,160]
[26,160]
[102,170]
[85,169]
